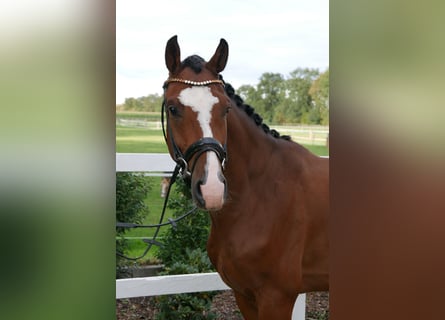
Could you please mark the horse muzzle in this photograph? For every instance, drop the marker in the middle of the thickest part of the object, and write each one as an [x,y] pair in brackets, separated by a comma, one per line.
[208,184]
[209,188]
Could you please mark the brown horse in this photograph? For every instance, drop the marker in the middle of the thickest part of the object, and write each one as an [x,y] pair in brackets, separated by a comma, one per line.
[267,196]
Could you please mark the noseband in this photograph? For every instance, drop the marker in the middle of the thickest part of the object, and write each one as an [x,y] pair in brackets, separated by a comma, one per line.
[197,148]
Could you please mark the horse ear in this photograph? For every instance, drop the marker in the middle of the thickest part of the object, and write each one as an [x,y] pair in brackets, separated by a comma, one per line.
[218,62]
[172,55]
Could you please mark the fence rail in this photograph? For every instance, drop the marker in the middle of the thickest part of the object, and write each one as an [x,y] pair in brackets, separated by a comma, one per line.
[161,285]
[157,163]
[185,283]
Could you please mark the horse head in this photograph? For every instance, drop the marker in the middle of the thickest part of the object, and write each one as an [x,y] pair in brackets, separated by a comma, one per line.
[196,107]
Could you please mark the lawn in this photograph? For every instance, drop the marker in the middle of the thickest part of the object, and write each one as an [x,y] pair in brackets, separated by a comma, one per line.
[139,140]
[143,140]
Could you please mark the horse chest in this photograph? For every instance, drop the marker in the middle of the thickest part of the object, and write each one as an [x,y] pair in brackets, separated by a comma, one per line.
[237,271]
[240,255]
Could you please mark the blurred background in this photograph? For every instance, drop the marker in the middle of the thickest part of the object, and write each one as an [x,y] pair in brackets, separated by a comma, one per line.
[57,221]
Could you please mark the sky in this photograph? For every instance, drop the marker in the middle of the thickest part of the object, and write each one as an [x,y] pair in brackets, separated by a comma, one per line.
[263,36]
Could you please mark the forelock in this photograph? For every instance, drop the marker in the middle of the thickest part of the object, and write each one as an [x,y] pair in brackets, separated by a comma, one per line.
[195,62]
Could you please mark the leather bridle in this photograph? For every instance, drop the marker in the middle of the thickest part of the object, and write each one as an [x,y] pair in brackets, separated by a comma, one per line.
[197,148]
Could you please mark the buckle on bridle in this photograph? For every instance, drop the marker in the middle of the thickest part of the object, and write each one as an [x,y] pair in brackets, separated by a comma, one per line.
[223,163]
[183,165]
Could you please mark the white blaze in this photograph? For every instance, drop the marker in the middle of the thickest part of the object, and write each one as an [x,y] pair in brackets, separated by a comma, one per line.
[201,100]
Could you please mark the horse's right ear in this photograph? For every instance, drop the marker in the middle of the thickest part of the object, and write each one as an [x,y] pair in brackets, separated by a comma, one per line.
[172,55]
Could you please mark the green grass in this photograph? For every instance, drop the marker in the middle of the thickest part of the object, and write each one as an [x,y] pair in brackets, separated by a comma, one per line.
[143,140]
[139,140]
[318,150]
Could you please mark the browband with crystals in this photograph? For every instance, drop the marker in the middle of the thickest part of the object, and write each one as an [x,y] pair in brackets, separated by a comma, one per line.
[193,83]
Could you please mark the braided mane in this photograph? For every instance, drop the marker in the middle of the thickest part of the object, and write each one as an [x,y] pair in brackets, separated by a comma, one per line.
[250,111]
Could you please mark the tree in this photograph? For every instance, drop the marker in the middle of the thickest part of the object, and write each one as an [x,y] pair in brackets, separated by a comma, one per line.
[248,93]
[271,89]
[298,100]
[319,92]
[149,103]
[131,104]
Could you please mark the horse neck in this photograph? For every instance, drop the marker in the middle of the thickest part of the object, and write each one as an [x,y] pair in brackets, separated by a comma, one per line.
[248,148]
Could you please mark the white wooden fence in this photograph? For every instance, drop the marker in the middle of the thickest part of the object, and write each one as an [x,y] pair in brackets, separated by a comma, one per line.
[161,164]
[156,164]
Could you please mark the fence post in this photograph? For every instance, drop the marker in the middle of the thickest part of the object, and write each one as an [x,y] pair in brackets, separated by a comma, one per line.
[299,311]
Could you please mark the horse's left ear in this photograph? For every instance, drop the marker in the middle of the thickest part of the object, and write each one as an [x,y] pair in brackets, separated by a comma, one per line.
[219,60]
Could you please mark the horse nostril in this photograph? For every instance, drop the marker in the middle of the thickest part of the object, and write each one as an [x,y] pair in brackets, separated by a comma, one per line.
[222,178]
[198,194]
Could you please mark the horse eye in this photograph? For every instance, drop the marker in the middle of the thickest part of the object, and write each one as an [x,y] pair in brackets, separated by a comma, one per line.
[228,109]
[173,110]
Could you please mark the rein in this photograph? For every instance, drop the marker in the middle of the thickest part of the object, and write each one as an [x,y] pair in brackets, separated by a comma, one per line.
[172,222]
